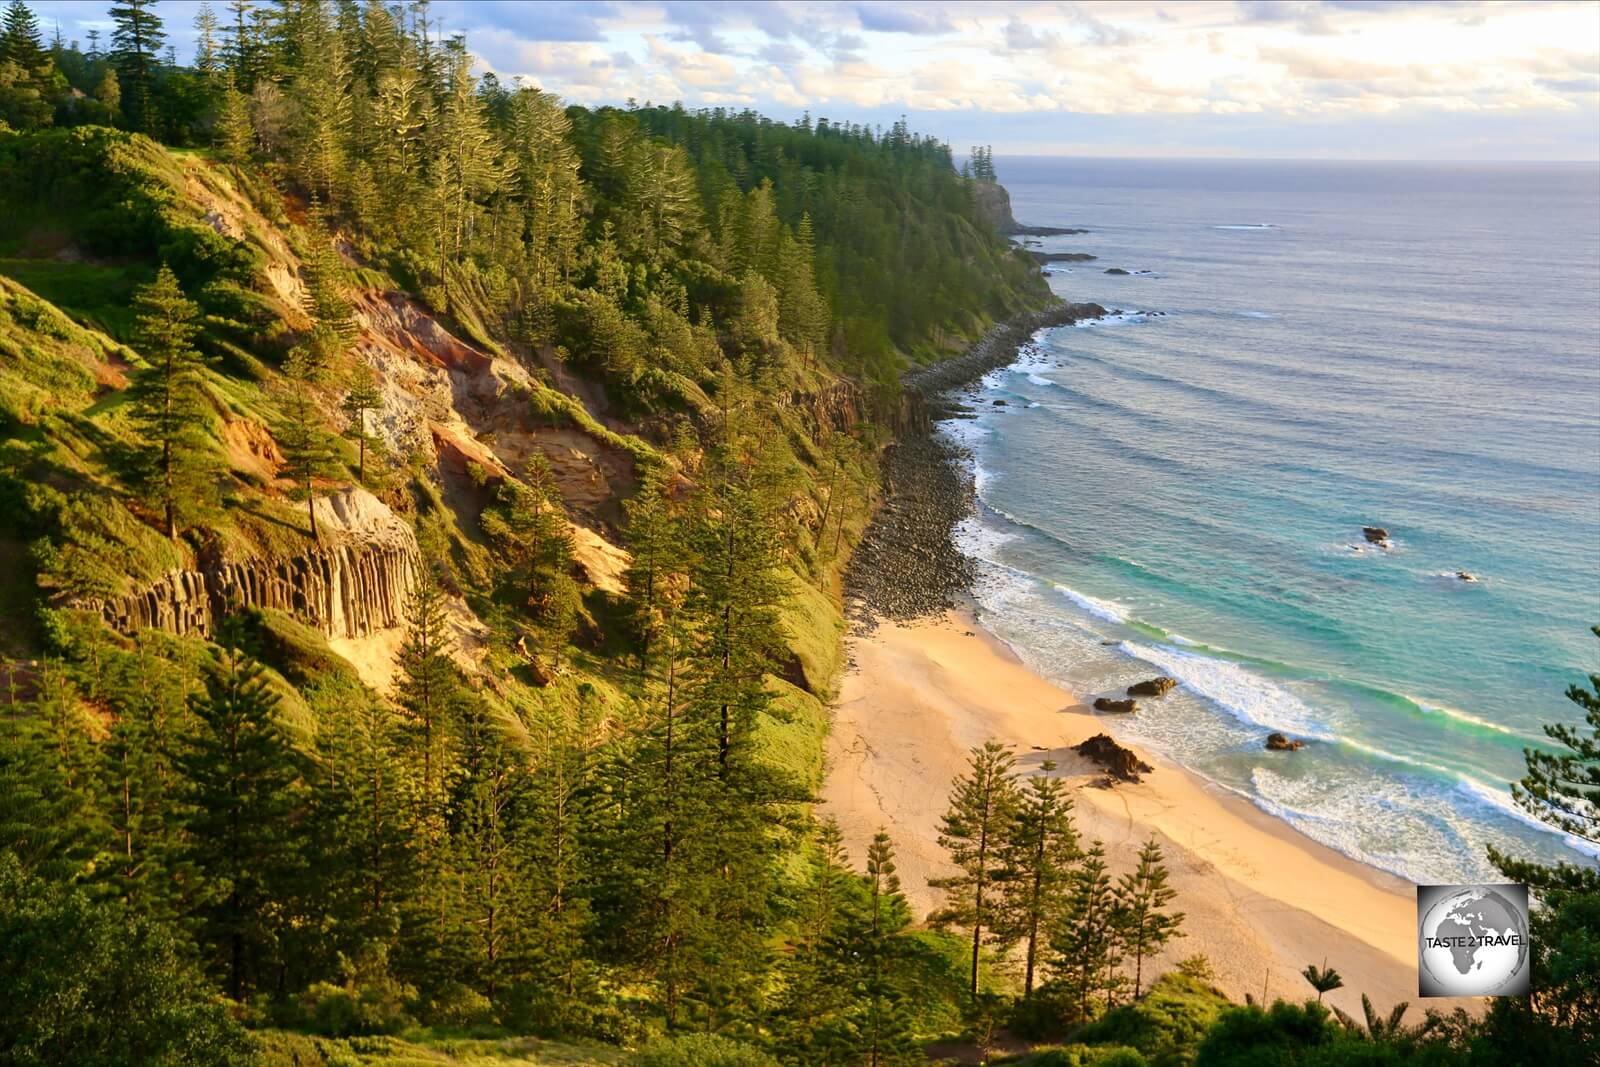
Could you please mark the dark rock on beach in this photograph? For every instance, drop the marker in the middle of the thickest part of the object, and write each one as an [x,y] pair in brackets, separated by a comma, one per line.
[1121,763]
[997,348]
[1155,687]
[999,403]
[1279,743]
[906,566]
[1108,704]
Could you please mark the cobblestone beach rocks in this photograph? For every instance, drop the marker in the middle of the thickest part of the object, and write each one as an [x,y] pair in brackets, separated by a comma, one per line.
[907,566]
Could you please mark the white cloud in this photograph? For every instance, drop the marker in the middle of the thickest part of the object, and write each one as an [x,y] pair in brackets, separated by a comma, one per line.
[1052,65]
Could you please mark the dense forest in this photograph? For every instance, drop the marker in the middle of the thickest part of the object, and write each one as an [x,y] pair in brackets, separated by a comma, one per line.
[422,513]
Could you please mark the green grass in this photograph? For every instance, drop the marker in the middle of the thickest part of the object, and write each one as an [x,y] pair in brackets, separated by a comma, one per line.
[794,742]
[17,590]
[97,294]
[427,1048]
[816,634]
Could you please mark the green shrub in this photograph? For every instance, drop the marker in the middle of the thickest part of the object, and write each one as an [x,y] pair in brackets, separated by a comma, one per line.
[1166,1024]
[459,1005]
[700,1050]
[89,983]
[1251,1037]
[1077,1055]
[370,1001]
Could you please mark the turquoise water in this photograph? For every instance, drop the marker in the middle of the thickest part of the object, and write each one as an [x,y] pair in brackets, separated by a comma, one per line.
[1409,346]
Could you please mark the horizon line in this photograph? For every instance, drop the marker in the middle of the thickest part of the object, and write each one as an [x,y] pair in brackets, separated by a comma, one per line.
[1488,161]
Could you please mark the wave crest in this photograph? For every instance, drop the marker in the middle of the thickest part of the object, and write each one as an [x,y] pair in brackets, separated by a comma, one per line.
[1247,697]
[1108,610]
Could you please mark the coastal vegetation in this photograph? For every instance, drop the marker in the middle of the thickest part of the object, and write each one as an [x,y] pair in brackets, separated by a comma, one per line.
[424,513]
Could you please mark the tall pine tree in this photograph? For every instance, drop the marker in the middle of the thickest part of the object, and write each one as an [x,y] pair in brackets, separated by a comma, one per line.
[1143,927]
[175,467]
[982,807]
[29,81]
[307,450]
[361,396]
[136,40]
[243,792]
[886,1033]
[1040,848]
[1084,946]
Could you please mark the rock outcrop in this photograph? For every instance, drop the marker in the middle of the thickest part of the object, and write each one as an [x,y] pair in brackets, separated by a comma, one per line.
[1115,270]
[1277,742]
[1120,763]
[1155,687]
[994,204]
[354,583]
[1060,257]
[1375,535]
[1108,704]
[838,408]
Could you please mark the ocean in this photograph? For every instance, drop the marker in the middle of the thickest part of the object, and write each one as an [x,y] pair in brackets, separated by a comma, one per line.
[1181,489]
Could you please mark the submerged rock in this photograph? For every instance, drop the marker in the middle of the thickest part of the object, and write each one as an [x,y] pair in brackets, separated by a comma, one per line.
[1155,687]
[1107,704]
[1375,535]
[1466,576]
[1277,742]
[1044,231]
[1116,270]
[1119,762]
[1061,257]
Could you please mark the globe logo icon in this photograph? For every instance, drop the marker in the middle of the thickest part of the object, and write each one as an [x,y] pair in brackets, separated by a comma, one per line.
[1473,940]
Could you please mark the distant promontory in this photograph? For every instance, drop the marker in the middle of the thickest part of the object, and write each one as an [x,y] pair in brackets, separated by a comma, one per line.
[995,204]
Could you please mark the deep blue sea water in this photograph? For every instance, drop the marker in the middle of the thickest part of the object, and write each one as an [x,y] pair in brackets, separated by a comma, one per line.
[1410,346]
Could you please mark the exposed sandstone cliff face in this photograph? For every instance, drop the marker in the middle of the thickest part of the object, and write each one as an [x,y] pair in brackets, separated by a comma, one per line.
[466,408]
[355,583]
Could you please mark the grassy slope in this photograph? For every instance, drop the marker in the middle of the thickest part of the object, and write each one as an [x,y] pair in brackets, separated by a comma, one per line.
[63,319]
[62,364]
[428,1049]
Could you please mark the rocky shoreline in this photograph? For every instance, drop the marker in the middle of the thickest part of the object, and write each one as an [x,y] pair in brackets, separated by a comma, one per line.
[907,565]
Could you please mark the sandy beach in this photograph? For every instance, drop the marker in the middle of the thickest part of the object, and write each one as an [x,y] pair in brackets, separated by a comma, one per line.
[1261,900]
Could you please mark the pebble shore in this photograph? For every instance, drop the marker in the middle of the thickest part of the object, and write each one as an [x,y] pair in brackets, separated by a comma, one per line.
[907,565]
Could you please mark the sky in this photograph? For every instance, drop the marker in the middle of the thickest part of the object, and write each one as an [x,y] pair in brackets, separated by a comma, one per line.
[1340,79]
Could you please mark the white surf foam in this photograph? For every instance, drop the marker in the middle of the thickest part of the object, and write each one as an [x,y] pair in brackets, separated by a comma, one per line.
[964,433]
[1255,315]
[1108,610]
[1116,319]
[1247,697]
[1336,821]
[1466,717]
[1501,801]
[1036,380]
[1245,226]
[980,540]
